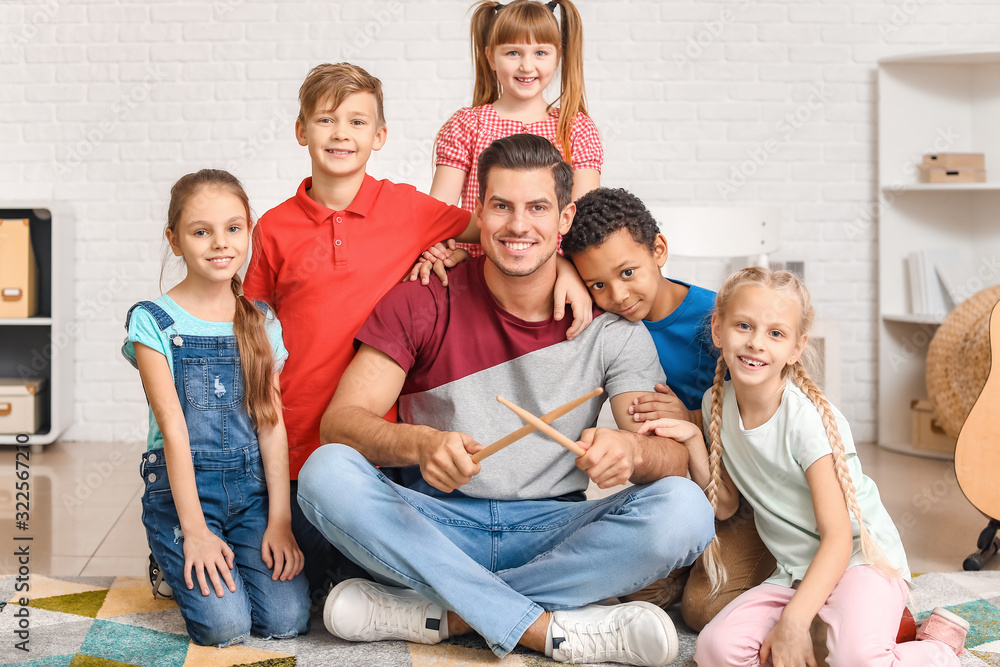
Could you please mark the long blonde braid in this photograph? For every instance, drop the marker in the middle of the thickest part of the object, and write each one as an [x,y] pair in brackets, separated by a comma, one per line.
[872,553]
[713,564]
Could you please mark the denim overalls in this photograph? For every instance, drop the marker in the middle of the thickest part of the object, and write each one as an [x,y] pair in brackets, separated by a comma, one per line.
[233,494]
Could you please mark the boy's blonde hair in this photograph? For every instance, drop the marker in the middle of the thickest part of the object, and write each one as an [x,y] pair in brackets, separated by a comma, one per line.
[787,283]
[337,82]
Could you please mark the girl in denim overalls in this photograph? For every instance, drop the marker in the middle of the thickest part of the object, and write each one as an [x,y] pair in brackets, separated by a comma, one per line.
[215,505]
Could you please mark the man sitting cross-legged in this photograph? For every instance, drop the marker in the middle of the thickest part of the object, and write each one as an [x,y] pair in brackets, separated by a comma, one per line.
[509,547]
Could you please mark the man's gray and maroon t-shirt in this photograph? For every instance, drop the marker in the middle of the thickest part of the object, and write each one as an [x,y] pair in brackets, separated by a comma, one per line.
[460,350]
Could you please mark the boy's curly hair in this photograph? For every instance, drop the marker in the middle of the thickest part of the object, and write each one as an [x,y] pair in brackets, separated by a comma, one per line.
[604,211]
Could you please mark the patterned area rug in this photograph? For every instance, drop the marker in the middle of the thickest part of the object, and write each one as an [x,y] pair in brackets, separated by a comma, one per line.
[109,622]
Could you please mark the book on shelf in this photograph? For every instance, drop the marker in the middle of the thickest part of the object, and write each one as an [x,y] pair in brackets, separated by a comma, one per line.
[961,277]
[916,277]
[928,293]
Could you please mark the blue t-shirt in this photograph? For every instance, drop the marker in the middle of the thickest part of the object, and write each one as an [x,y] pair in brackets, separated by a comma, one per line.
[684,342]
[143,329]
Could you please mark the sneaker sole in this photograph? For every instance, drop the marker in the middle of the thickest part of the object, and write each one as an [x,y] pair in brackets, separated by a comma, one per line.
[668,627]
[332,595]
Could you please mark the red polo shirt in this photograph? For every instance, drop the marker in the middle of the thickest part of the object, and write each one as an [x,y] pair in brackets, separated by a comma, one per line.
[324,271]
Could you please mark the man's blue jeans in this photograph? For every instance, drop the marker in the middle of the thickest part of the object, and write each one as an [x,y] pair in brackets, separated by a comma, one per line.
[499,564]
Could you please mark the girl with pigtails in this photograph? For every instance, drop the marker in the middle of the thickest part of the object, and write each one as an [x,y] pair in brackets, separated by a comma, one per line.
[775,439]
[216,504]
[517,49]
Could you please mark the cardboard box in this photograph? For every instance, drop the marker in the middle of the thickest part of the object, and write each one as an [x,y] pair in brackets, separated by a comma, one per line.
[954,175]
[954,160]
[18,270]
[928,435]
[20,405]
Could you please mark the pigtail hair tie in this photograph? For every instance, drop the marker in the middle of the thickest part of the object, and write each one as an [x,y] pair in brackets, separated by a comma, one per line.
[552,5]
[497,7]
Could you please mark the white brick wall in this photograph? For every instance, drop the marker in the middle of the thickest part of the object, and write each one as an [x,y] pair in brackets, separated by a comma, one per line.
[104,104]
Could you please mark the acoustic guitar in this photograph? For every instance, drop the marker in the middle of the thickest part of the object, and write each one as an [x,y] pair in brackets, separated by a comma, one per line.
[977,453]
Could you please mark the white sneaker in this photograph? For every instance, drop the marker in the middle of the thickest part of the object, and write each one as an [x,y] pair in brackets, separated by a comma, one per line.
[359,610]
[634,633]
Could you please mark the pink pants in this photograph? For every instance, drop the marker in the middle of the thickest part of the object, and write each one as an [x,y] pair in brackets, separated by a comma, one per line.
[863,613]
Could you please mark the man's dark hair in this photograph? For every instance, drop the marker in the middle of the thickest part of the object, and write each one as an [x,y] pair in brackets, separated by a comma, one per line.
[527,152]
[604,211]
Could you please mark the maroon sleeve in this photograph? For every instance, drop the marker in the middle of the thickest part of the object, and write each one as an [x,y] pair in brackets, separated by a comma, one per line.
[404,322]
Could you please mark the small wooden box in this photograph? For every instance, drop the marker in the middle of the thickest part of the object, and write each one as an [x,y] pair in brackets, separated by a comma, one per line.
[954,161]
[927,432]
[18,270]
[20,405]
[953,175]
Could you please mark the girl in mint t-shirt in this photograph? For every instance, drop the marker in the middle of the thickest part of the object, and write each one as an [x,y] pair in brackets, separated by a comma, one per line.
[775,439]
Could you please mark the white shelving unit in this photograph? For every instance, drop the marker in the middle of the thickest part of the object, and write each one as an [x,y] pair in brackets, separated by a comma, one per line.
[931,103]
[42,346]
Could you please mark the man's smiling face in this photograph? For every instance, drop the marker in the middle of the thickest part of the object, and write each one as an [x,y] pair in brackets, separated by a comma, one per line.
[520,220]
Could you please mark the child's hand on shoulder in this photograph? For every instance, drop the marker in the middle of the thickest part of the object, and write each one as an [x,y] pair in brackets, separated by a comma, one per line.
[662,404]
[570,290]
[438,258]
[281,552]
[680,430]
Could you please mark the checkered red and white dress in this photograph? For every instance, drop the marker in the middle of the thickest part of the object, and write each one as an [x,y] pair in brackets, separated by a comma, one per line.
[472,129]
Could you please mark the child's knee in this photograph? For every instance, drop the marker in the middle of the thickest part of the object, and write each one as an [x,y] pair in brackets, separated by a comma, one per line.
[284,612]
[283,623]
[717,645]
[215,621]
[220,632]
[710,649]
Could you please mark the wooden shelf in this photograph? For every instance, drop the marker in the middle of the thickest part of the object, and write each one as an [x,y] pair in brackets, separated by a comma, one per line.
[25,321]
[912,319]
[940,187]
[945,57]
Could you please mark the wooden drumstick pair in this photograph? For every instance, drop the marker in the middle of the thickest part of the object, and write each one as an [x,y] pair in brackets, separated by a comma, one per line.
[538,424]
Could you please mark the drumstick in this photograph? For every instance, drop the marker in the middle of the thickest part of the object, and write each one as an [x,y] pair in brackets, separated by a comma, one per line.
[525,430]
[543,427]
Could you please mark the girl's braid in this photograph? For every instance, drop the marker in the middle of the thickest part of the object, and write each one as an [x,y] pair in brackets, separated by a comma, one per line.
[713,565]
[870,550]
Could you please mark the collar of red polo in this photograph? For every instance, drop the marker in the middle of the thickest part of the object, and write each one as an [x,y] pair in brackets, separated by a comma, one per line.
[319,214]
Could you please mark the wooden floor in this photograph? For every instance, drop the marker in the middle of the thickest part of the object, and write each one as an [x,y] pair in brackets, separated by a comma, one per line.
[85,512]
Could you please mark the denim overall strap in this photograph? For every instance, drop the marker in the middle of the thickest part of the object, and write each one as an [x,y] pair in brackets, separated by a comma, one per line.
[162,320]
[208,377]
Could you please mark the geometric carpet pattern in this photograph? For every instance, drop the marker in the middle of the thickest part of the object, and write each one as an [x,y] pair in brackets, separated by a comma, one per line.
[114,621]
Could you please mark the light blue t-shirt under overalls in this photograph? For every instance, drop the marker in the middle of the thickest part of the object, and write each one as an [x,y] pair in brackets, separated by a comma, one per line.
[144,327]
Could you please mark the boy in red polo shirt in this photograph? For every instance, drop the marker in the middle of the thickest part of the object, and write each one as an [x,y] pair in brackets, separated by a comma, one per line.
[326,256]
